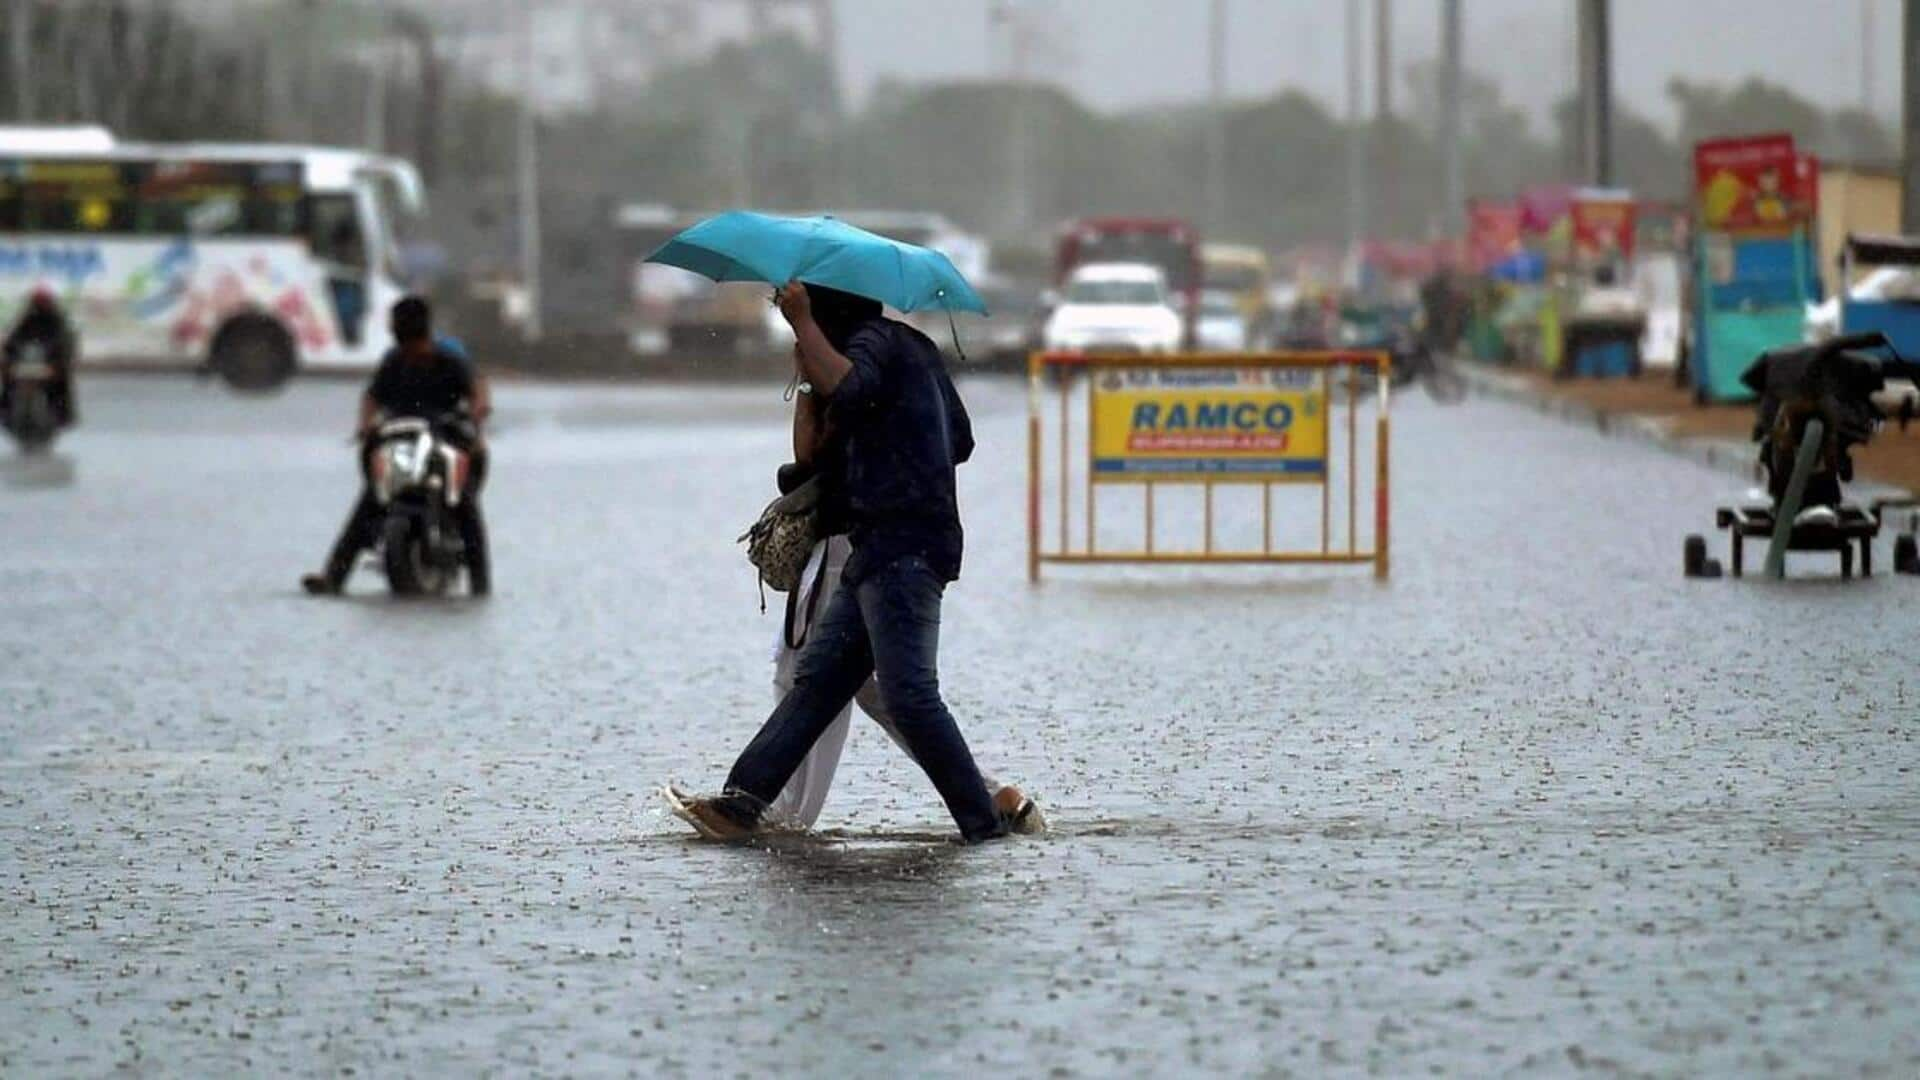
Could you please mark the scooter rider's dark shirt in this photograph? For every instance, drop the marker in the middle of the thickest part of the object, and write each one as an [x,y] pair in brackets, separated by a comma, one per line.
[429,386]
[904,430]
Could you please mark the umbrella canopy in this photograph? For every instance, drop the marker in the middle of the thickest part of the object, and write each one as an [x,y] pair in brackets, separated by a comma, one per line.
[744,246]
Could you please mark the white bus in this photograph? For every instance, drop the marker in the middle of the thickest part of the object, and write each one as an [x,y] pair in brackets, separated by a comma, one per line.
[252,260]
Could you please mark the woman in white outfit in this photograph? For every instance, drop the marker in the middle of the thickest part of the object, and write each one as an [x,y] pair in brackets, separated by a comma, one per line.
[798,804]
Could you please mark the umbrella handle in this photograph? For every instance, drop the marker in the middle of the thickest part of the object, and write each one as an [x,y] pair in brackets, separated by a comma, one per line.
[954,329]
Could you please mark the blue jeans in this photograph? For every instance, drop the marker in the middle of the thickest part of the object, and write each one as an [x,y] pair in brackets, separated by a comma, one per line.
[887,626]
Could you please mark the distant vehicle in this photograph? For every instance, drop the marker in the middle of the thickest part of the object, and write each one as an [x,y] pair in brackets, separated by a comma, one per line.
[1882,283]
[1009,334]
[675,310]
[1657,278]
[1223,323]
[1169,244]
[419,476]
[969,253]
[30,416]
[1120,307]
[253,261]
[1885,298]
[1245,273]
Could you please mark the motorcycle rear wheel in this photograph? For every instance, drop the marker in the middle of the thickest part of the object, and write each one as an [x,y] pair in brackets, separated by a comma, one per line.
[31,420]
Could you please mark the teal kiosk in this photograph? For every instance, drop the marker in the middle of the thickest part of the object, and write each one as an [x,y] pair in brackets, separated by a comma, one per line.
[1750,295]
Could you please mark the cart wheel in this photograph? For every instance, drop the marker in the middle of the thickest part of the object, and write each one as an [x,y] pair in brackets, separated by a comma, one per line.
[1906,555]
[1693,559]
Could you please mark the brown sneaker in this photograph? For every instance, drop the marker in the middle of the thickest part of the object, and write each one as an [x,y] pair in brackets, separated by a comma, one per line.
[1021,814]
[707,819]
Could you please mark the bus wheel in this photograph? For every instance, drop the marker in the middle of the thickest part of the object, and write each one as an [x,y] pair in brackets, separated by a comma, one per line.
[253,353]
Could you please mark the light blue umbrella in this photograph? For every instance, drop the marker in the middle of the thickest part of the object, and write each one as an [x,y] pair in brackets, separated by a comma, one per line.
[740,245]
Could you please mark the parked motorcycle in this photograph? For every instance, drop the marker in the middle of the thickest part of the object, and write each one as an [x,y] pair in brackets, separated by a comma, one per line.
[30,415]
[419,475]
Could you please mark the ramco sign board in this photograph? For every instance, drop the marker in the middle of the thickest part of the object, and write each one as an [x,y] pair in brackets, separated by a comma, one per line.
[1209,425]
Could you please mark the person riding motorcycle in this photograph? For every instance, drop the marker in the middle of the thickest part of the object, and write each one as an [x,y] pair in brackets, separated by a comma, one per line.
[424,377]
[43,323]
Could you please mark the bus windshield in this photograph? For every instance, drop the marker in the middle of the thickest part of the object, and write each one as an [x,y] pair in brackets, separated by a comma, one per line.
[1233,277]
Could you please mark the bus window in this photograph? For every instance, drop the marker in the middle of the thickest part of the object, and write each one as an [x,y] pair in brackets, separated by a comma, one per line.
[333,231]
[77,211]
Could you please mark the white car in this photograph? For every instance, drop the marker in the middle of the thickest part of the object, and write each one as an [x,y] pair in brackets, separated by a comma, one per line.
[1114,306]
[1222,328]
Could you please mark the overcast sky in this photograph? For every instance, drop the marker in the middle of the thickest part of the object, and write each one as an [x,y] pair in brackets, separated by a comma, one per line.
[1116,53]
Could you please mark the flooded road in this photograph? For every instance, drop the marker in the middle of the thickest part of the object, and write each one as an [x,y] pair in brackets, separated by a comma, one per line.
[1536,805]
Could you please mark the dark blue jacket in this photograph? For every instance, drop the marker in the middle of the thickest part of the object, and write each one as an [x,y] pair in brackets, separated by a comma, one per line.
[901,429]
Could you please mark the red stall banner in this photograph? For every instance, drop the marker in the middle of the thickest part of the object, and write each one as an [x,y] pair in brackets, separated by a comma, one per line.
[1753,183]
[1543,207]
[1603,225]
[1493,232]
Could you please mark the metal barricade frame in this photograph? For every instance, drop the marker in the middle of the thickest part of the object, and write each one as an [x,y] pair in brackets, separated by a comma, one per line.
[1350,362]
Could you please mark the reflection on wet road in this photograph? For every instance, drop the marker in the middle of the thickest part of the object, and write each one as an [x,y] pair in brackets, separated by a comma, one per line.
[1537,804]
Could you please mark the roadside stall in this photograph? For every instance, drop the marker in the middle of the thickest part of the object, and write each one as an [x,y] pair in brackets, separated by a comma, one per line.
[1493,245]
[1546,229]
[1605,320]
[1754,264]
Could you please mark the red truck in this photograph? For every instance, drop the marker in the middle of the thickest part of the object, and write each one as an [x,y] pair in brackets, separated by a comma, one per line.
[1171,244]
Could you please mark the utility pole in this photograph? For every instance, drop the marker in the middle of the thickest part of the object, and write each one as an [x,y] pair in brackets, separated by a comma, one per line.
[1866,57]
[1356,165]
[1910,115]
[826,25]
[1596,92]
[529,148]
[1217,118]
[1383,60]
[1385,163]
[21,27]
[1453,183]
[1015,22]
[374,123]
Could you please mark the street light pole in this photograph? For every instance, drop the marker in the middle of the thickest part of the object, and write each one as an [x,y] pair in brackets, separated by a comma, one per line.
[374,123]
[1380,192]
[1217,117]
[1453,181]
[1596,96]
[1019,31]
[1356,167]
[1910,116]
[21,27]
[529,150]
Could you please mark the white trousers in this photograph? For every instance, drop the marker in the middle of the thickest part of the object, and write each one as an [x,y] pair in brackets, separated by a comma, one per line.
[799,803]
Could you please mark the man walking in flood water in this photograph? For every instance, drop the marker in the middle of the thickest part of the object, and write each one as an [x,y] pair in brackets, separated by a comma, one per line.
[898,429]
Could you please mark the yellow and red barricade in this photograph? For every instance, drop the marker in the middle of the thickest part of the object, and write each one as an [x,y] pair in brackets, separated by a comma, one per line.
[1270,420]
